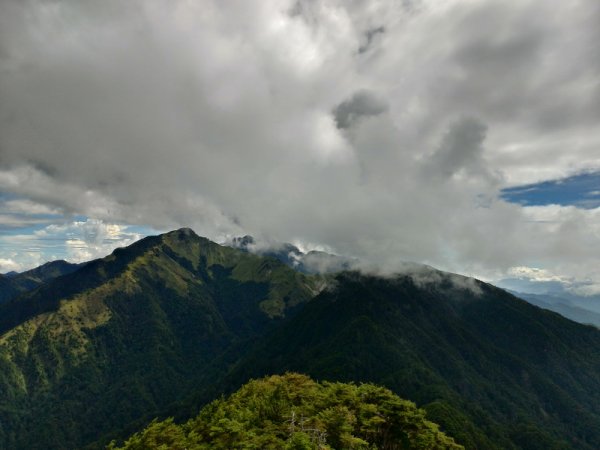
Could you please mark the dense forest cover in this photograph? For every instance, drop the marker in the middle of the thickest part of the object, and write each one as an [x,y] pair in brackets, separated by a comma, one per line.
[294,412]
[165,326]
[492,370]
[126,336]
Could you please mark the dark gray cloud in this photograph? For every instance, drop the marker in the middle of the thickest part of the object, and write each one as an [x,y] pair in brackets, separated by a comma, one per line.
[263,118]
[461,150]
[369,38]
[362,104]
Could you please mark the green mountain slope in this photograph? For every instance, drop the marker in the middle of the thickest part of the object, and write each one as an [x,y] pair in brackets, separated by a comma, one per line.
[294,412]
[493,370]
[126,335]
[171,322]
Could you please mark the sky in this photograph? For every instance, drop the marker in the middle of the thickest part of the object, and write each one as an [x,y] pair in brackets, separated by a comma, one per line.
[460,134]
[581,190]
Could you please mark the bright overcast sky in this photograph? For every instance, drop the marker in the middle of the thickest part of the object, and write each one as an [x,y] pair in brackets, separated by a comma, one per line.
[384,130]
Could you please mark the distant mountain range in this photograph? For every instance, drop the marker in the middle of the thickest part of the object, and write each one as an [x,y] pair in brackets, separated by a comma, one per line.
[566,306]
[157,329]
[13,284]
[556,296]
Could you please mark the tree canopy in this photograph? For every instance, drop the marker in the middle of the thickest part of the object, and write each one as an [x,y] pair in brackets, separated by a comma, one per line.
[292,411]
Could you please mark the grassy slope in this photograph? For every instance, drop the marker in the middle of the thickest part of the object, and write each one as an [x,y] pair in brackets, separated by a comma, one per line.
[126,335]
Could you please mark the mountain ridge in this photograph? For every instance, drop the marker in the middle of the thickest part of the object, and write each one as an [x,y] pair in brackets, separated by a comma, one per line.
[14,284]
[170,322]
[311,262]
[171,303]
[458,348]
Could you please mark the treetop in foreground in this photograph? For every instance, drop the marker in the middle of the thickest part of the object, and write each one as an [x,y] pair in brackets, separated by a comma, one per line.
[292,411]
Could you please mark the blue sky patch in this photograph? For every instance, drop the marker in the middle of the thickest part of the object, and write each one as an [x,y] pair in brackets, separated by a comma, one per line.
[582,191]
[31,234]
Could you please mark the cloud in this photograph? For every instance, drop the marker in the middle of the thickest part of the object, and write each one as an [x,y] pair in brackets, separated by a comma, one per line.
[87,240]
[9,265]
[75,241]
[534,274]
[541,281]
[269,119]
[461,150]
[362,104]
[25,206]
[369,38]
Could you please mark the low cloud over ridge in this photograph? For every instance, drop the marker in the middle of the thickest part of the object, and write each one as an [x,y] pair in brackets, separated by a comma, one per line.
[383,130]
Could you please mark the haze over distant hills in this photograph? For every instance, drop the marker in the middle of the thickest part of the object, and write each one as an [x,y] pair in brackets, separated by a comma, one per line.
[173,321]
[565,307]
[557,297]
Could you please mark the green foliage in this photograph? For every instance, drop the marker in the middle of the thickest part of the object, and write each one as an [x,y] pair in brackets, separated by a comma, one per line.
[159,435]
[163,326]
[128,335]
[492,370]
[294,412]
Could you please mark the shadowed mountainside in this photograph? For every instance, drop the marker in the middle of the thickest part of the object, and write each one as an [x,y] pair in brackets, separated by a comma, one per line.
[128,334]
[493,370]
[15,284]
[173,321]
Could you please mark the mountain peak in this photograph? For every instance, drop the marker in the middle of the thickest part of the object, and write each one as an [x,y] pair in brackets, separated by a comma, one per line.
[183,232]
[177,316]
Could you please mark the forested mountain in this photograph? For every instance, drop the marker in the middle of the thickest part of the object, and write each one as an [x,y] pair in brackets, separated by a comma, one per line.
[493,370]
[31,279]
[8,289]
[126,335]
[15,284]
[172,322]
[294,412]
